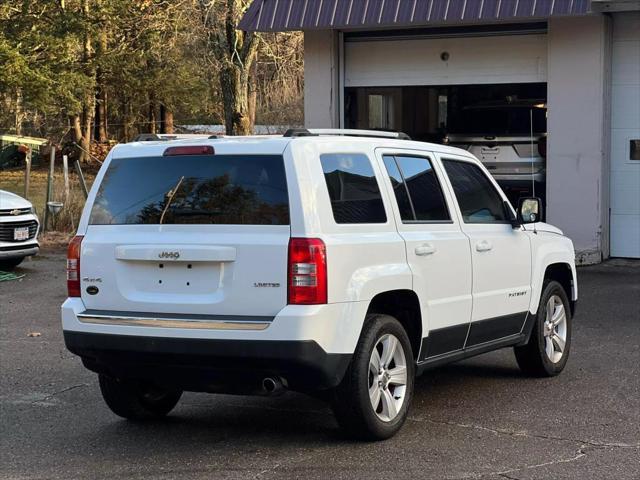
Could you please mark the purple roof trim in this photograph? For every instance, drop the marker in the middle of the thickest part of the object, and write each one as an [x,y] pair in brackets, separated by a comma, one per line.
[279,15]
[472,10]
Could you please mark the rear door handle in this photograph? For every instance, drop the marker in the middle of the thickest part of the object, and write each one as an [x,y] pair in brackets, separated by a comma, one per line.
[426,249]
[484,246]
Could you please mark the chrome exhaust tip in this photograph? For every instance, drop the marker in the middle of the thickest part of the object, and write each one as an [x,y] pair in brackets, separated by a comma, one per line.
[272,385]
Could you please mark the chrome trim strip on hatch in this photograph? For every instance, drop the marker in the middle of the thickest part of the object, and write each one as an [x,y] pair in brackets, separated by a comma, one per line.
[174,321]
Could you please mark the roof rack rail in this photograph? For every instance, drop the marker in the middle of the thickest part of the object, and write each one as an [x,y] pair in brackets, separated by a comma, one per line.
[146,137]
[298,132]
[345,132]
[165,137]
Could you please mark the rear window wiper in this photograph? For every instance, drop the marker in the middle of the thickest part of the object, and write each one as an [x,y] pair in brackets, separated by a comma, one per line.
[171,194]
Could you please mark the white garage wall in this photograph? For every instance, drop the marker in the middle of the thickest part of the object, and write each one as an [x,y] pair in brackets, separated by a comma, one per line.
[479,60]
[578,142]
[321,70]
[625,125]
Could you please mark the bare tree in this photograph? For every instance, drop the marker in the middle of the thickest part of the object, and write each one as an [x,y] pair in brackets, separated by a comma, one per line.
[111,69]
[101,90]
[88,107]
[234,52]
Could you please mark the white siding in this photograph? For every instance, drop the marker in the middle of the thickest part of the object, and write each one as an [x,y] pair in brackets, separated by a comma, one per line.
[320,79]
[477,60]
[625,125]
[577,146]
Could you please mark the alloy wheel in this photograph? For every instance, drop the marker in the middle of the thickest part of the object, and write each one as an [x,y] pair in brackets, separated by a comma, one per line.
[555,329]
[387,377]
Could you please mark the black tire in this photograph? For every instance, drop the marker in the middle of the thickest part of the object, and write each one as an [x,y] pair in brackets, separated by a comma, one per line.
[351,403]
[532,357]
[135,401]
[10,263]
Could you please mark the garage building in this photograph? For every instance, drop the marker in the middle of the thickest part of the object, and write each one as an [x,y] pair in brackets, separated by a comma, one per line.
[545,92]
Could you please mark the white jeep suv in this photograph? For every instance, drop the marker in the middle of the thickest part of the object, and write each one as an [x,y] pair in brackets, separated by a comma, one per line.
[337,263]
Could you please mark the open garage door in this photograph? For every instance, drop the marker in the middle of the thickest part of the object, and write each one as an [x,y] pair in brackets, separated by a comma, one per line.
[446,61]
[471,92]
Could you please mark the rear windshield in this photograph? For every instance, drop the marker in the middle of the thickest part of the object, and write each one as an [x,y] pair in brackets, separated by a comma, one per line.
[211,189]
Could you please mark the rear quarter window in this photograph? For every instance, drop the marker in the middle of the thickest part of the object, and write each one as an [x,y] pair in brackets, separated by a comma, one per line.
[353,188]
[194,189]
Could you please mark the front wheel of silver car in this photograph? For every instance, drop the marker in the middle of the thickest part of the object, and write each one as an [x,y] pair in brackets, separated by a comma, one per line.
[373,399]
[547,351]
[10,263]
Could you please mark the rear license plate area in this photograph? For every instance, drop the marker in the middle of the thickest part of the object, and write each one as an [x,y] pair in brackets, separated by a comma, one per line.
[168,281]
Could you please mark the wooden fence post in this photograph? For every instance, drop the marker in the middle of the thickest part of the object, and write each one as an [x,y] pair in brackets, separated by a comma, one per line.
[27,173]
[52,162]
[65,172]
[83,184]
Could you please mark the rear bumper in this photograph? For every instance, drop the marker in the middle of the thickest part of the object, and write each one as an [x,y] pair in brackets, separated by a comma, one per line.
[209,365]
[310,346]
[334,327]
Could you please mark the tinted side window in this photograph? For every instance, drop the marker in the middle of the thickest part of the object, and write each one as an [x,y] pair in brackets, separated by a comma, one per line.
[478,199]
[424,189]
[399,188]
[353,189]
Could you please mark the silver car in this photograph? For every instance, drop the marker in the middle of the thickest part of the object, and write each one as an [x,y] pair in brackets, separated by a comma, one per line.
[509,137]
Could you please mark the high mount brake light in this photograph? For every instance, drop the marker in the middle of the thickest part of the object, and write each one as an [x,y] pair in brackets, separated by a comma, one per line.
[189,150]
[73,266]
[307,271]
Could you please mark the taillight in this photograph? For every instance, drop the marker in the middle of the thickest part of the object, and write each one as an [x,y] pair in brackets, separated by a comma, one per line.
[307,277]
[73,267]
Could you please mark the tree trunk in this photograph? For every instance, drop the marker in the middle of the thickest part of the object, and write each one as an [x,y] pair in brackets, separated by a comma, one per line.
[76,128]
[18,117]
[87,116]
[235,98]
[168,122]
[235,51]
[166,119]
[89,96]
[127,133]
[253,95]
[152,114]
[100,133]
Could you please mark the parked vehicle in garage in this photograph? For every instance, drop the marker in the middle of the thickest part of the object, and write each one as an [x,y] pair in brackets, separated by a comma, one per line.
[499,134]
[339,263]
[19,227]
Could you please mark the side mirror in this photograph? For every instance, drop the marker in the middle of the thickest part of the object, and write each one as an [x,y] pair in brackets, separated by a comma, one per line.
[530,210]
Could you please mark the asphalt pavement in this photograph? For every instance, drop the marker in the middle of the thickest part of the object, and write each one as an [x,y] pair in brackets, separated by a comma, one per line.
[476,419]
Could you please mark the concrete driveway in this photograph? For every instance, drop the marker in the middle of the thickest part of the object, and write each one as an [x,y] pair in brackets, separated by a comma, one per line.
[476,419]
